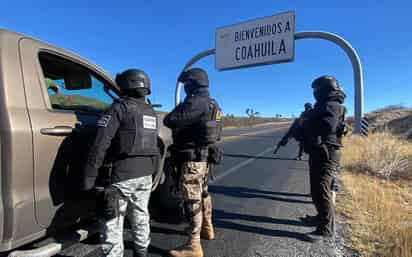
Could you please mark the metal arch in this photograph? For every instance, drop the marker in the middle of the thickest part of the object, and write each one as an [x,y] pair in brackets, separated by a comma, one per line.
[349,50]
[356,65]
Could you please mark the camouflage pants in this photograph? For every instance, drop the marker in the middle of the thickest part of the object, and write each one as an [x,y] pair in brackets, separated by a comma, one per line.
[194,185]
[133,205]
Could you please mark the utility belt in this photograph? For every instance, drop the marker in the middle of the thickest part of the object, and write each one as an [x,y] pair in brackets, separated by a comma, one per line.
[326,152]
[197,154]
[212,154]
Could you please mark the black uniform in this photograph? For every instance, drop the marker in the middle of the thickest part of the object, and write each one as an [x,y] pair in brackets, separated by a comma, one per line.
[186,121]
[322,143]
[196,126]
[128,133]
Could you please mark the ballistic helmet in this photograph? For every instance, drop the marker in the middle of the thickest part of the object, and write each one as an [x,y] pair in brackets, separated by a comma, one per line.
[134,80]
[326,86]
[195,76]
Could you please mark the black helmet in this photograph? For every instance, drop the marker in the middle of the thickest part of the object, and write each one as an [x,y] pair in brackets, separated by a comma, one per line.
[325,86]
[134,80]
[328,82]
[196,76]
[308,106]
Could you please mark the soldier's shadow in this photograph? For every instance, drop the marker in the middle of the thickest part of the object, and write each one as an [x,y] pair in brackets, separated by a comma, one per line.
[225,220]
[244,192]
[247,156]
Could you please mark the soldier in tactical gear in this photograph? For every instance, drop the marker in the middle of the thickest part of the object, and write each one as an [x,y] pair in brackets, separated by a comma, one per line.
[295,131]
[322,141]
[196,126]
[127,132]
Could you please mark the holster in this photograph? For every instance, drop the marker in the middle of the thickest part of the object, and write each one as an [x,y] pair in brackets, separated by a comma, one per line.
[176,173]
[215,155]
[108,203]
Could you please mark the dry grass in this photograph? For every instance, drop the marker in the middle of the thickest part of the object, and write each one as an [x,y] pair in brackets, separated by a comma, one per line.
[380,154]
[380,215]
[379,209]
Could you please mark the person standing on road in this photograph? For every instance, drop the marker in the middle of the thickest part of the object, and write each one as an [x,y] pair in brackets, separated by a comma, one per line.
[323,131]
[196,126]
[296,132]
[129,130]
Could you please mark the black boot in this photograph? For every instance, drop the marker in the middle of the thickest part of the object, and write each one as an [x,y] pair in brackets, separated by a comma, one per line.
[310,220]
[140,253]
[318,235]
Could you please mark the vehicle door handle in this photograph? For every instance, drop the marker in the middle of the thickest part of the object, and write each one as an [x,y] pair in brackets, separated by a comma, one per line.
[57,131]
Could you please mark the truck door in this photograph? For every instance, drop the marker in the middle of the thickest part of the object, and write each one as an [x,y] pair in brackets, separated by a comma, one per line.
[65,96]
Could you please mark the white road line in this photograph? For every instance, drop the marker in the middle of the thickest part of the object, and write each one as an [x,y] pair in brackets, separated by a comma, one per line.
[241,165]
[232,137]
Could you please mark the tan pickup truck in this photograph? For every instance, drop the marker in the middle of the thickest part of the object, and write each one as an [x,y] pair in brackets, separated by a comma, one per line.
[50,100]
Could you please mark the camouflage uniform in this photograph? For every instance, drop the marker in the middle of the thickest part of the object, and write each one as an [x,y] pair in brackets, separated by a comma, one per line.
[133,204]
[194,185]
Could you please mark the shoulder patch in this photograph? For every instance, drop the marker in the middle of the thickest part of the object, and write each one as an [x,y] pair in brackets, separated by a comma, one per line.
[104,121]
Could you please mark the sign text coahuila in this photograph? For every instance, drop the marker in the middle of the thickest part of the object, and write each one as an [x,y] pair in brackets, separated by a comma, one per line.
[263,41]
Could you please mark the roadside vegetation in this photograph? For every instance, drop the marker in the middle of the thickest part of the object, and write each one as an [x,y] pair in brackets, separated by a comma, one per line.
[234,121]
[377,181]
[252,118]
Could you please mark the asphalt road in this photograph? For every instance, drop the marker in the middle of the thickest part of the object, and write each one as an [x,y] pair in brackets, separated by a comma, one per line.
[257,200]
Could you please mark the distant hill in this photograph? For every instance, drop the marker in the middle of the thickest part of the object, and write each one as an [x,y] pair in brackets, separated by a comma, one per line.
[236,121]
[395,118]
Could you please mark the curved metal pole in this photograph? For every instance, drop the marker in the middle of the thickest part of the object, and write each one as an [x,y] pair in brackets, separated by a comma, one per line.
[349,50]
[187,66]
[356,65]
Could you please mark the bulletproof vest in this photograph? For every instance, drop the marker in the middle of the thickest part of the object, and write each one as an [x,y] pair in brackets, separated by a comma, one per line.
[335,138]
[206,131]
[311,133]
[210,129]
[137,134]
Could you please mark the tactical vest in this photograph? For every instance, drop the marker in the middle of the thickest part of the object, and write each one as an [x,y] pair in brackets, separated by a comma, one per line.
[210,129]
[311,140]
[335,138]
[137,134]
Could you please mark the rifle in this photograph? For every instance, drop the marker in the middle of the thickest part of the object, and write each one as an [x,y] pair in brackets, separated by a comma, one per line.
[277,148]
[282,142]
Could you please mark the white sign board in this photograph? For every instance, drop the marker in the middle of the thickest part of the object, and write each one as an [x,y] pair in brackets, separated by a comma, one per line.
[258,42]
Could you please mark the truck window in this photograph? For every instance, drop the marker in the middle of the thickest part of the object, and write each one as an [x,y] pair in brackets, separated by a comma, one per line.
[71,86]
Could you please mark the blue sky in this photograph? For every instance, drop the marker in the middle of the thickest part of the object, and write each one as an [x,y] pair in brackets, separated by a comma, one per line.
[161,36]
